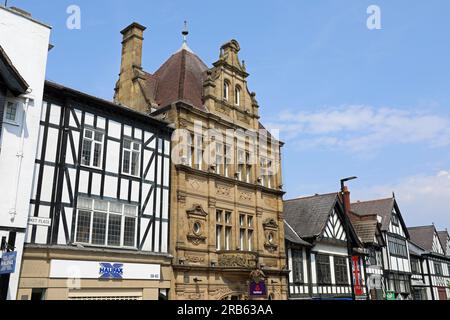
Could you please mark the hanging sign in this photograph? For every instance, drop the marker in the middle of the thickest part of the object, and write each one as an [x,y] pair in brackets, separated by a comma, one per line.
[8,262]
[357,279]
[258,289]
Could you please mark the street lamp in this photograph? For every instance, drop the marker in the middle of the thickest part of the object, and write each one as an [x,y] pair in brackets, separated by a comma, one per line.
[347,231]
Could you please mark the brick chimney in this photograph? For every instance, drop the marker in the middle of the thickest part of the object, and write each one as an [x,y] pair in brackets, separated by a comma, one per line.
[131,65]
[346,199]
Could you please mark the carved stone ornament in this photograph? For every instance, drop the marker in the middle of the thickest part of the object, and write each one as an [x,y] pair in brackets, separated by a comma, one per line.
[245,196]
[239,260]
[223,191]
[257,275]
[270,224]
[181,196]
[197,212]
[196,239]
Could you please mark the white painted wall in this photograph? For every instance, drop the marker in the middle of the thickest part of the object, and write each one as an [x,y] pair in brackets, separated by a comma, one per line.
[26,42]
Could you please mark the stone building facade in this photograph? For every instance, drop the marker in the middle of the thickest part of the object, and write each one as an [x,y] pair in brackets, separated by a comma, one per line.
[226,197]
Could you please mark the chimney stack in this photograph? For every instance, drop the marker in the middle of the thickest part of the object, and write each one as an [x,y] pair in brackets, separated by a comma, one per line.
[131,67]
[133,38]
[346,199]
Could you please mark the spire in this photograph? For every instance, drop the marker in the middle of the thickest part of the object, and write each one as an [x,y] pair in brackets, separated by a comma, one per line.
[185,33]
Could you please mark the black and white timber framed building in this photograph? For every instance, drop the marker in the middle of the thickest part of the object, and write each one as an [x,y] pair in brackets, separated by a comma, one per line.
[101,184]
[430,263]
[318,233]
[395,254]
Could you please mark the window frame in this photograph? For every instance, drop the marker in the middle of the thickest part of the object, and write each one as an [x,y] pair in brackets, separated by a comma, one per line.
[397,247]
[341,270]
[322,278]
[133,142]
[224,222]
[297,266]
[237,96]
[93,142]
[17,104]
[93,210]
[226,90]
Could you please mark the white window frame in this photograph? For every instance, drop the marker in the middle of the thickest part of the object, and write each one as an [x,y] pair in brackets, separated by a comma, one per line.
[93,144]
[220,154]
[17,104]
[123,215]
[237,96]
[131,151]
[226,90]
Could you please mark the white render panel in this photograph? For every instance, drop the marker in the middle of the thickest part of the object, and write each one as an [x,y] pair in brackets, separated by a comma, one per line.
[114,129]
[89,119]
[124,189]
[47,184]
[110,187]
[101,122]
[96,183]
[127,131]
[52,144]
[84,182]
[135,191]
[112,157]
[55,114]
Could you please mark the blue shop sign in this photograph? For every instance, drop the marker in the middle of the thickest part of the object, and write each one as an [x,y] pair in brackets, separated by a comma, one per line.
[111,271]
[8,262]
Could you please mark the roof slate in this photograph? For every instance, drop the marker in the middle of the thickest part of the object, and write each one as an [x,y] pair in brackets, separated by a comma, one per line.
[382,208]
[308,216]
[423,236]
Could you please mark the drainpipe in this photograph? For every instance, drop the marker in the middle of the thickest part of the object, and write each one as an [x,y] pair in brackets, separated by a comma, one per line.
[13,211]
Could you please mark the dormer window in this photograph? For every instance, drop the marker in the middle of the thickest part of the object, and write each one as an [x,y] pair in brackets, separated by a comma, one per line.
[237,96]
[226,90]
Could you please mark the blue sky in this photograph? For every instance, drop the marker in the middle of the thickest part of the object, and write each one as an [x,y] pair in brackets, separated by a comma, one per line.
[349,100]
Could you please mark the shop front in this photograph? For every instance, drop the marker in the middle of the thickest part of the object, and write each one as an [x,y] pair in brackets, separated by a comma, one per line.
[81,274]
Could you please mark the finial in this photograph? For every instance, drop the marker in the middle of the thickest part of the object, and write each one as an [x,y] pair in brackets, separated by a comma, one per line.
[185,32]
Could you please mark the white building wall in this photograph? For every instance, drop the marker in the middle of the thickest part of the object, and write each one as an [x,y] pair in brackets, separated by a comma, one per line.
[26,43]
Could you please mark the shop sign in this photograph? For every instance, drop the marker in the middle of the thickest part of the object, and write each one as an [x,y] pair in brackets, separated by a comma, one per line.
[8,262]
[258,289]
[390,295]
[76,269]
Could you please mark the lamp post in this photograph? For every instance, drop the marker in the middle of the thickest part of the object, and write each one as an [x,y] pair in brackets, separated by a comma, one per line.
[347,231]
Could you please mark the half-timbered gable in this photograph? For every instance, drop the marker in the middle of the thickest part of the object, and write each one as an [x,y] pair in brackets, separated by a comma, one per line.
[437,263]
[445,241]
[319,220]
[396,262]
[368,229]
[334,228]
[101,175]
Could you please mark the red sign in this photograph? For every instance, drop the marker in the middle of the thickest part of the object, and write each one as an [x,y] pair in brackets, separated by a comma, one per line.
[357,279]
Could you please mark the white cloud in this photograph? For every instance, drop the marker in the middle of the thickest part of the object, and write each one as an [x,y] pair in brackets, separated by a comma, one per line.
[423,199]
[358,128]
